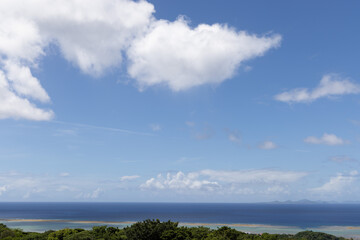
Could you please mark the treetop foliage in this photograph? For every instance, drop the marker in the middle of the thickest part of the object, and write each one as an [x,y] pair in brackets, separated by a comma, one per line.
[155,230]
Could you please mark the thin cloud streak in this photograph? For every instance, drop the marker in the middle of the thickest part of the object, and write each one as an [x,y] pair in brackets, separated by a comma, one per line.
[104,128]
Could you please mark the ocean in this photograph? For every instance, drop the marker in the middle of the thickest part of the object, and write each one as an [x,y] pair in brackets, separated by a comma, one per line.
[337,219]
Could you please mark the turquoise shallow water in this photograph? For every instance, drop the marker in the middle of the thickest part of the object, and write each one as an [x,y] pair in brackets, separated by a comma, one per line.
[335,219]
[344,231]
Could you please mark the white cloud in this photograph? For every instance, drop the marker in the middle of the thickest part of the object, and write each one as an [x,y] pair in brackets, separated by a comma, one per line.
[330,85]
[65,132]
[180,182]
[234,136]
[233,182]
[96,193]
[205,134]
[23,83]
[247,68]
[342,159]
[64,187]
[19,36]
[188,159]
[92,195]
[338,184]
[327,139]
[190,124]
[275,189]
[25,185]
[14,106]
[47,187]
[355,122]
[267,145]
[3,189]
[181,57]
[129,178]
[88,126]
[155,127]
[91,35]
[20,41]
[94,36]
[253,176]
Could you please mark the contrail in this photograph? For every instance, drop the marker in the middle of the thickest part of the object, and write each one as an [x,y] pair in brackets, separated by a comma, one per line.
[104,128]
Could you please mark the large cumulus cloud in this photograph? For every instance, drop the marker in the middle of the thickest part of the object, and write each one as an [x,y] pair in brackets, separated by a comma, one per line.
[98,35]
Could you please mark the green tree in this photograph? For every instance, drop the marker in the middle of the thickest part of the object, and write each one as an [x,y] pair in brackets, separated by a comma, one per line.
[199,233]
[63,233]
[181,233]
[149,229]
[310,235]
[84,235]
[225,233]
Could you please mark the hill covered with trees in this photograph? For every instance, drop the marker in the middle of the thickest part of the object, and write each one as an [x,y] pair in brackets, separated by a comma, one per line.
[154,230]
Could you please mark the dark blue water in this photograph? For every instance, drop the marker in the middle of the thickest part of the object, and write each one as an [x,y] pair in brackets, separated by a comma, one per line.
[300,215]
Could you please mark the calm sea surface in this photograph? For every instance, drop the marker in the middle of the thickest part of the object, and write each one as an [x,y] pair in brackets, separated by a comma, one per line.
[283,218]
[306,215]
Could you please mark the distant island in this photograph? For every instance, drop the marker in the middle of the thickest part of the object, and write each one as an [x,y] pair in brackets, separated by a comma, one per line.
[302,201]
[307,201]
[155,230]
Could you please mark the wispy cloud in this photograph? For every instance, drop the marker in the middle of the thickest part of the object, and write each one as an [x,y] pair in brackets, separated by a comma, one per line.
[180,182]
[155,127]
[119,130]
[338,184]
[355,122]
[65,132]
[63,186]
[91,195]
[248,68]
[234,136]
[206,133]
[188,159]
[251,176]
[129,178]
[3,189]
[64,174]
[225,182]
[341,159]
[330,85]
[267,145]
[190,124]
[327,139]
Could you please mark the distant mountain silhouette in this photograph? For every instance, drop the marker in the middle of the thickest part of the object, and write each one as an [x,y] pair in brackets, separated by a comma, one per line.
[302,201]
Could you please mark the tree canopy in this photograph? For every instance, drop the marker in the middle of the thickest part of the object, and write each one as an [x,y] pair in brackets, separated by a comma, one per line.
[155,230]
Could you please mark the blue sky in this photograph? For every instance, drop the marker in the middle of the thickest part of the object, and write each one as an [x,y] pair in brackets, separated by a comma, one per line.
[205,101]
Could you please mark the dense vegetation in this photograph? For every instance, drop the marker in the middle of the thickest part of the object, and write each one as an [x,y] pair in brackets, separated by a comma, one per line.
[154,230]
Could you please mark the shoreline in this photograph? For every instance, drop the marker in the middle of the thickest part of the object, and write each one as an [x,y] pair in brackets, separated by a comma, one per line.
[180,223]
[42,225]
[63,221]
